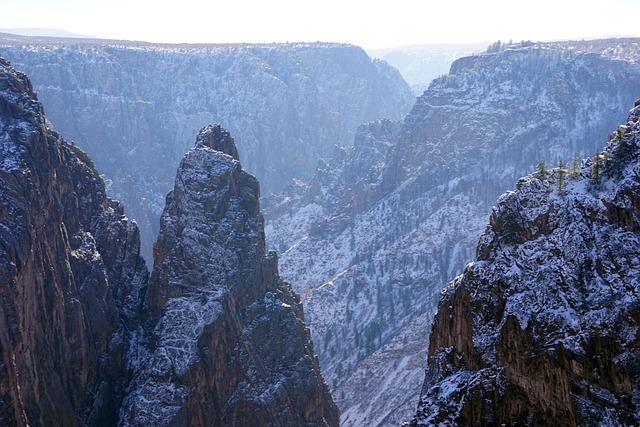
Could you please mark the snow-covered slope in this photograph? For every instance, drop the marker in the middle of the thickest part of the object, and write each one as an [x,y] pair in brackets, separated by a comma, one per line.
[385,224]
[543,327]
[134,107]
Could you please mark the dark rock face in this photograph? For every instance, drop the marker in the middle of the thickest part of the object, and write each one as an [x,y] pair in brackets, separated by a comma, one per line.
[135,107]
[228,344]
[71,278]
[543,327]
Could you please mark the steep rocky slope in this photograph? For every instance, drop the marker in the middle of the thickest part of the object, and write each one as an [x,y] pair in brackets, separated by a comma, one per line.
[543,327]
[228,344]
[71,278]
[134,107]
[386,223]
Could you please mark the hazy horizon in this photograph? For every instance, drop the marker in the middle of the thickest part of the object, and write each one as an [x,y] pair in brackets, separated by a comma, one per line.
[371,25]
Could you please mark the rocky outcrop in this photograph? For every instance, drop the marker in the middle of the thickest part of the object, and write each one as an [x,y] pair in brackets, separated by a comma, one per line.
[134,107]
[71,278]
[227,340]
[543,327]
[389,220]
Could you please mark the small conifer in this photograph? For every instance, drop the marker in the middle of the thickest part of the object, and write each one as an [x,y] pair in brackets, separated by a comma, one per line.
[510,234]
[620,153]
[574,170]
[596,167]
[562,173]
[541,170]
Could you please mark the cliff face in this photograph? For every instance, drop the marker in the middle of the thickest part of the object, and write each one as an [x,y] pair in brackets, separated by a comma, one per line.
[388,221]
[543,327]
[135,107]
[70,276]
[228,343]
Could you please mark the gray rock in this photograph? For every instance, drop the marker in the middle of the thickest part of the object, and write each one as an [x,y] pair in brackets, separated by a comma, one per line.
[228,343]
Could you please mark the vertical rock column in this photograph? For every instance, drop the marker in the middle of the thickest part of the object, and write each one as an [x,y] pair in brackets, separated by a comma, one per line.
[227,340]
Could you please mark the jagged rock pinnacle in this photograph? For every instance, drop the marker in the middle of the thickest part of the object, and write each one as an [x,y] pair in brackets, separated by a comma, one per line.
[217,138]
[220,312]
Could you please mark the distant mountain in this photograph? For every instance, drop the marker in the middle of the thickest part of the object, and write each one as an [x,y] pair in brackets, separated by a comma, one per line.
[371,240]
[420,64]
[542,328]
[134,106]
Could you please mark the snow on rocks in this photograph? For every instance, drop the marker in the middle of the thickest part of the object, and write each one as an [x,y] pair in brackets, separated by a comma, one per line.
[225,342]
[553,308]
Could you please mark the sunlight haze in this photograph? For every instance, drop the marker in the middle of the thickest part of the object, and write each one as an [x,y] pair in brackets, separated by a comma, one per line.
[370,24]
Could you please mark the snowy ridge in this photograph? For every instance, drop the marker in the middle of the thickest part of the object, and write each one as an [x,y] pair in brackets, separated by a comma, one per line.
[17,125]
[624,49]
[563,260]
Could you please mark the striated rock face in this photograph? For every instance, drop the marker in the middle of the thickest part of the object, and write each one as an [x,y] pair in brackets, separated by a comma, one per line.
[383,226]
[134,107]
[228,343]
[543,328]
[71,277]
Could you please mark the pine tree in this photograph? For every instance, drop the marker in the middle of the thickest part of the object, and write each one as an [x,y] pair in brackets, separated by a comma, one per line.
[620,153]
[596,167]
[561,177]
[494,47]
[541,170]
[574,171]
[511,231]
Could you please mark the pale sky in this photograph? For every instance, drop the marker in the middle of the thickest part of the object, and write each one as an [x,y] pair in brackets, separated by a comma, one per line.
[370,24]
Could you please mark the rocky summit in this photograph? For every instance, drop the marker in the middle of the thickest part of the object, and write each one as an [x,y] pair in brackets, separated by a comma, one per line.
[542,328]
[227,340]
[88,338]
